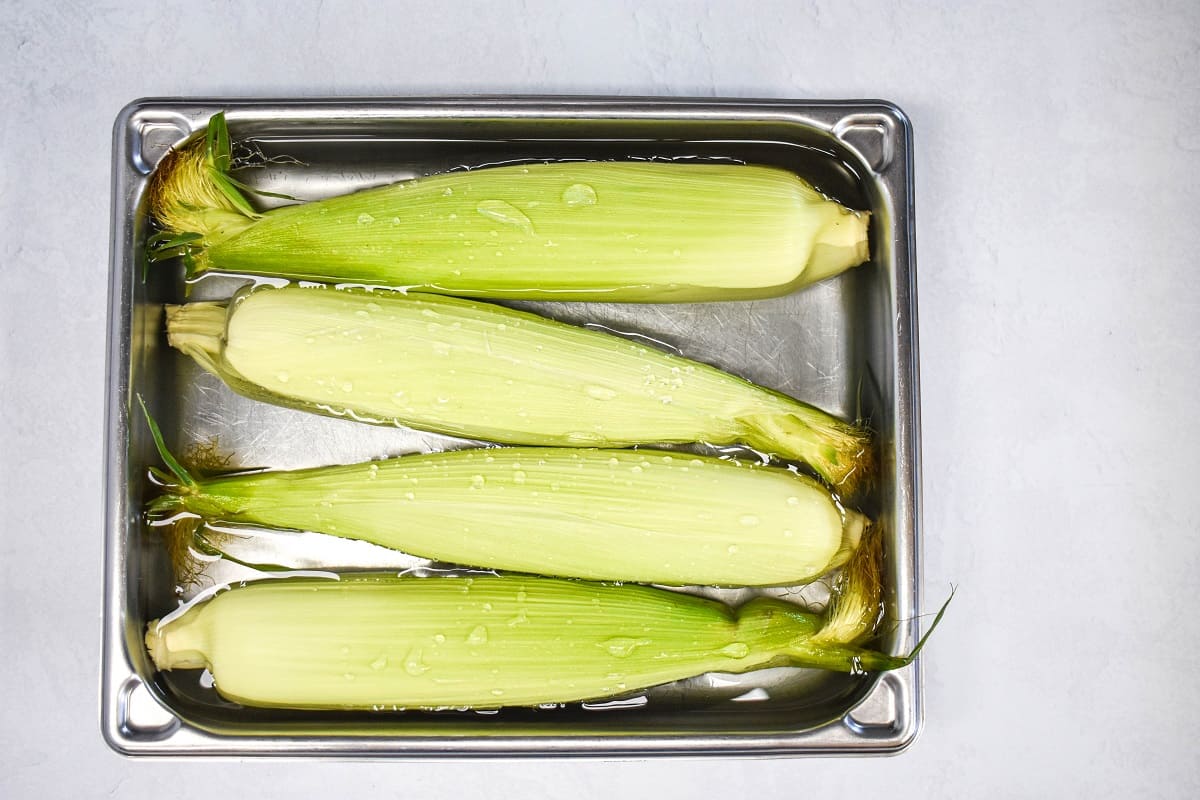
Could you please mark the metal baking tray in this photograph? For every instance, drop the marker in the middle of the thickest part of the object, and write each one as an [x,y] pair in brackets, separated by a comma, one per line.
[847,345]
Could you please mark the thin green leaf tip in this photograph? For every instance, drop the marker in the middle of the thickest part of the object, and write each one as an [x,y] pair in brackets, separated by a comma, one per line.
[936,621]
[217,145]
[218,157]
[172,463]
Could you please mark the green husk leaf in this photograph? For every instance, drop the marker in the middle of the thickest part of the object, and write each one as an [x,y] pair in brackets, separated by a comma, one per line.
[217,143]
[176,468]
[261,192]
[228,187]
[205,545]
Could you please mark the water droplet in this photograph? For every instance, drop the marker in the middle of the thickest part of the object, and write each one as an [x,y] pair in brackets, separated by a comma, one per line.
[675,252]
[749,520]
[478,635]
[497,692]
[345,651]
[733,548]
[348,676]
[600,393]
[347,387]
[478,482]
[372,472]
[409,496]
[736,650]
[379,663]
[365,219]
[447,191]
[520,619]
[793,501]
[636,469]
[439,638]
[579,194]
[395,220]
[518,477]
[612,462]
[623,646]
[413,664]
[521,596]
[282,377]
[666,399]
[506,214]
[443,400]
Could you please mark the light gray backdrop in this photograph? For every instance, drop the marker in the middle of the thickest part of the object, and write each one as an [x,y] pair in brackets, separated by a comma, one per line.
[1057,166]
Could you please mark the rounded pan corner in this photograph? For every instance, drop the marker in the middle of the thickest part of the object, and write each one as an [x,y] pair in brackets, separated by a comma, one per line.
[115,735]
[115,739]
[878,133]
[135,720]
[902,121]
[130,110]
[905,737]
[893,110]
[890,716]
[890,742]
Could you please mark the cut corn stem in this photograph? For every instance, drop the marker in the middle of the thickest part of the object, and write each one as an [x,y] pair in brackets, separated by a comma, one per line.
[484,641]
[622,515]
[640,231]
[481,371]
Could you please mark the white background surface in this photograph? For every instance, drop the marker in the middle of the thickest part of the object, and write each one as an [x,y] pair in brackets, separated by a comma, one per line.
[1057,158]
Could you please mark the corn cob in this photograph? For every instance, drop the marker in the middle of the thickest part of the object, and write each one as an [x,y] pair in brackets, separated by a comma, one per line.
[643,516]
[481,371]
[372,642]
[639,231]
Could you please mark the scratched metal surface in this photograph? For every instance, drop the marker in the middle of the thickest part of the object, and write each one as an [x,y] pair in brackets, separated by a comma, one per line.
[823,344]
